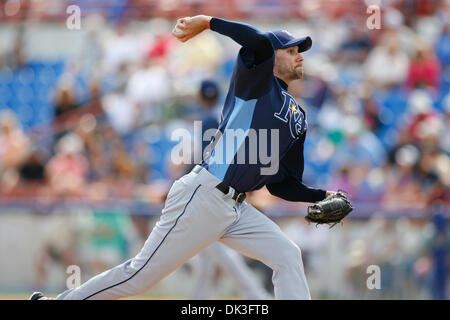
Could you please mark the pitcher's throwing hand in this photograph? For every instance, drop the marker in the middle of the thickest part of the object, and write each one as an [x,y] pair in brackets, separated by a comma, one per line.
[188,27]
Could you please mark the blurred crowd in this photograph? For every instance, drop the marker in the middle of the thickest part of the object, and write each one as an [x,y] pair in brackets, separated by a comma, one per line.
[378,110]
[378,107]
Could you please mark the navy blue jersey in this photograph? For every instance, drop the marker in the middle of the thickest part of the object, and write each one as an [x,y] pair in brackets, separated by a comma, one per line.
[210,121]
[258,102]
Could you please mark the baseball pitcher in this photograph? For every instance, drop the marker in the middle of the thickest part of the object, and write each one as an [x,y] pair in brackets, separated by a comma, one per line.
[208,204]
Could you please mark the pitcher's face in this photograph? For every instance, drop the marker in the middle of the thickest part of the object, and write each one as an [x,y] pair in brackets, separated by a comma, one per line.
[288,64]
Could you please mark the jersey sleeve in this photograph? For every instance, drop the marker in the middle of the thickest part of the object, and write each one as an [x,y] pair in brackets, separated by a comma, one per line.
[256,42]
[288,183]
[254,82]
[292,189]
[253,71]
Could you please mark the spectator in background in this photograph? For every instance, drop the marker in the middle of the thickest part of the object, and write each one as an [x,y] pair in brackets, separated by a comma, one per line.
[357,47]
[98,168]
[33,169]
[14,147]
[60,245]
[150,86]
[122,49]
[141,157]
[342,180]
[209,97]
[403,190]
[371,113]
[424,120]
[67,169]
[444,141]
[107,239]
[121,112]
[89,131]
[100,144]
[189,64]
[387,65]
[65,101]
[2,59]
[393,21]
[122,166]
[92,51]
[426,169]
[14,59]
[94,101]
[424,68]
[65,119]
[443,47]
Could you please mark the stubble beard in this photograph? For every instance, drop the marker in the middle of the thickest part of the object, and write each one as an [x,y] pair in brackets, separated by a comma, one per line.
[298,74]
[292,74]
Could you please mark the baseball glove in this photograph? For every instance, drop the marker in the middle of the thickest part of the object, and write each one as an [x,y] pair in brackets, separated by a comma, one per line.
[330,210]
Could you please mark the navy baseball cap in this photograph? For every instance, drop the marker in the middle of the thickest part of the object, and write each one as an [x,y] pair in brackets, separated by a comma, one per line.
[281,39]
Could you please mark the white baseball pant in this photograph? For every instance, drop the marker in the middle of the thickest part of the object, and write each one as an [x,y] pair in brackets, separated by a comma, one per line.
[195,215]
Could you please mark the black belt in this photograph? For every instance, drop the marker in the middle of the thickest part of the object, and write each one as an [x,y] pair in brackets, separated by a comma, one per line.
[237,196]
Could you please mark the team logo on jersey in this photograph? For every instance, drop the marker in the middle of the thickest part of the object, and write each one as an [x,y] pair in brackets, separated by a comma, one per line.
[290,113]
